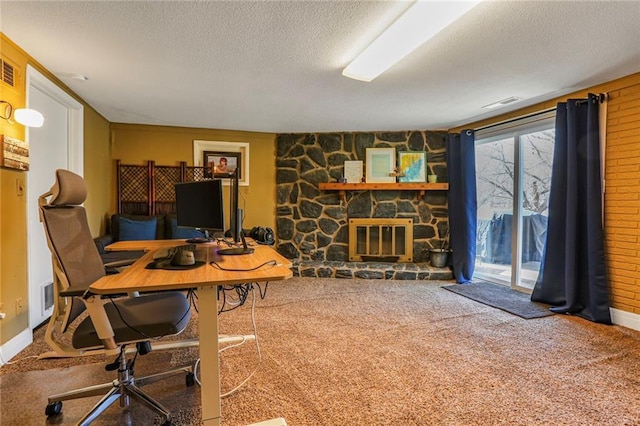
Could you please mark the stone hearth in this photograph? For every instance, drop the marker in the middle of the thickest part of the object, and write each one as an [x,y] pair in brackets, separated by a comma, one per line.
[370,270]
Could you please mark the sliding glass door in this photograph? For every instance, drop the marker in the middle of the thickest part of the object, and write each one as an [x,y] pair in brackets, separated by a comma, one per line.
[513,172]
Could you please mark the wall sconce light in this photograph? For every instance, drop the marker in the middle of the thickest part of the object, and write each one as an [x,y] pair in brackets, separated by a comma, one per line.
[26,117]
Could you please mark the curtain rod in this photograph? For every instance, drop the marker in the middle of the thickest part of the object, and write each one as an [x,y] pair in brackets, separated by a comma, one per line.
[500,123]
[602,97]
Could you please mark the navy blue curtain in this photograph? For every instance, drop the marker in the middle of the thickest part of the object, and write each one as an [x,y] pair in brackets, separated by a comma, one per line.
[573,270]
[463,204]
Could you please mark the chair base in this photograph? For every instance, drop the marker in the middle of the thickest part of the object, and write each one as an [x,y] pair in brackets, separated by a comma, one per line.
[125,388]
[61,351]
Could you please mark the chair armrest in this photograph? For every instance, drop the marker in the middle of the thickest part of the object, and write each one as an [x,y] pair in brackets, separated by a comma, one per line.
[111,268]
[73,292]
[103,241]
[119,263]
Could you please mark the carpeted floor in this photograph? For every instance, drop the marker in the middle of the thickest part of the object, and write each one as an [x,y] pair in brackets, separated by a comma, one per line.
[376,352]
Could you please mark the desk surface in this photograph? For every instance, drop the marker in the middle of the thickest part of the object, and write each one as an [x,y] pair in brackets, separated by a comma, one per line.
[145,245]
[137,278]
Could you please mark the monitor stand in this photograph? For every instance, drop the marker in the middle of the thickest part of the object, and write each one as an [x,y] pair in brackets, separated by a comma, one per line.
[199,240]
[237,250]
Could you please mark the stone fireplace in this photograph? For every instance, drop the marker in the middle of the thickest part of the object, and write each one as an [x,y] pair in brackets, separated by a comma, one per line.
[313,225]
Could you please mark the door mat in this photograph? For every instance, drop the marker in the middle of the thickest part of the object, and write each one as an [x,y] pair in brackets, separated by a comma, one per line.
[501,297]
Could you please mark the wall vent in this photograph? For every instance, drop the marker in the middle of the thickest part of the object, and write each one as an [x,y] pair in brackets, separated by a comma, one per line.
[503,102]
[7,73]
[47,299]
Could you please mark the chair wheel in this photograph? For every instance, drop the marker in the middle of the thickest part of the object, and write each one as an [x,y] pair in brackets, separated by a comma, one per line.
[53,408]
[190,379]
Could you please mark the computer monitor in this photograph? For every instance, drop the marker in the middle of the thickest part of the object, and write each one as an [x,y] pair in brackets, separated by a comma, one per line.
[200,205]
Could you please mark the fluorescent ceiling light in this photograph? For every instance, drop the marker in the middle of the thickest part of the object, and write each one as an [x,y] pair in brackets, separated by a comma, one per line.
[503,102]
[419,23]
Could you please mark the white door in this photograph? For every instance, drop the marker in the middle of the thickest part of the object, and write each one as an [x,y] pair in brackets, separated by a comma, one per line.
[57,144]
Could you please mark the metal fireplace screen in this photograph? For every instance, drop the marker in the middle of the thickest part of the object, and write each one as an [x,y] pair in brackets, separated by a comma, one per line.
[381,239]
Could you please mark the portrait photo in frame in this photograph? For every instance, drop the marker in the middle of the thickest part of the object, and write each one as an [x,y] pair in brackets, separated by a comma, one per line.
[412,166]
[236,154]
[222,162]
[380,165]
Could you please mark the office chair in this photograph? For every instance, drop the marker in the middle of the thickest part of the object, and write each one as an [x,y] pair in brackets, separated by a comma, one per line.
[133,320]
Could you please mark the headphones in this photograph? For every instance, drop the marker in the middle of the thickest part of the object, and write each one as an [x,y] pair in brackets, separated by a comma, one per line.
[262,235]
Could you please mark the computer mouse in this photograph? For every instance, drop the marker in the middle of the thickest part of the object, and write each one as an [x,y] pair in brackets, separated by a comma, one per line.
[183,258]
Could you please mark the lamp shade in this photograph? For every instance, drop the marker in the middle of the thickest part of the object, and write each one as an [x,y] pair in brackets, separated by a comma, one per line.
[28,117]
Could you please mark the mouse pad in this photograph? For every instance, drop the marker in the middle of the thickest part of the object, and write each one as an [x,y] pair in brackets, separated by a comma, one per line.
[166,264]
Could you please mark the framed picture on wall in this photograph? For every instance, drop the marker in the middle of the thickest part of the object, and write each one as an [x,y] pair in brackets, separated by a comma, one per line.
[14,153]
[218,154]
[412,166]
[222,162]
[380,164]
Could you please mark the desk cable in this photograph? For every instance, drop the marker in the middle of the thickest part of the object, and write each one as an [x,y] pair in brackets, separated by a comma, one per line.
[241,290]
[244,340]
[267,263]
[192,296]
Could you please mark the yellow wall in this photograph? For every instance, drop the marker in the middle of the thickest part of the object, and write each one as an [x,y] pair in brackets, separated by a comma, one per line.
[135,144]
[98,169]
[622,175]
[168,146]
[13,215]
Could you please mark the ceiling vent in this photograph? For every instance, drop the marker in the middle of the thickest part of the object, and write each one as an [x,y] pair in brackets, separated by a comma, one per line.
[7,73]
[503,102]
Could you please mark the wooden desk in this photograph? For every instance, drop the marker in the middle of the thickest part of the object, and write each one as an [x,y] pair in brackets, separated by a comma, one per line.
[206,279]
[145,245]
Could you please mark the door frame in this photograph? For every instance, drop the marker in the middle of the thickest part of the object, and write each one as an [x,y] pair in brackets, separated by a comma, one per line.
[75,158]
[515,129]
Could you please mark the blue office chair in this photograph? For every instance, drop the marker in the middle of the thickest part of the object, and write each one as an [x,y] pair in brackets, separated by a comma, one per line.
[134,320]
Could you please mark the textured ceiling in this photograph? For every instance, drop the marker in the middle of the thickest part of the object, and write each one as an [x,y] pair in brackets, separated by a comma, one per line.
[276,66]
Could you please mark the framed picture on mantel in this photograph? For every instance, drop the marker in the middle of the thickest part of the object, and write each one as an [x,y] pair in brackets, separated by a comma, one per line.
[353,171]
[413,166]
[380,164]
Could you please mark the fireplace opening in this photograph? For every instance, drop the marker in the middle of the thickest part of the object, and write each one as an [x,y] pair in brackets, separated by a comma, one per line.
[381,239]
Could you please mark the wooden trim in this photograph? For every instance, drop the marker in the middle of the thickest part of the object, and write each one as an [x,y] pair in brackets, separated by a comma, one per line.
[421,187]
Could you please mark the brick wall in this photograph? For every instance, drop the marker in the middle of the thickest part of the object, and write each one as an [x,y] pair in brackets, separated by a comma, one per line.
[622,197]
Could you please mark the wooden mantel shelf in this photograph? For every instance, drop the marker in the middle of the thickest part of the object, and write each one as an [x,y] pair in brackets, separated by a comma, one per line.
[421,187]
